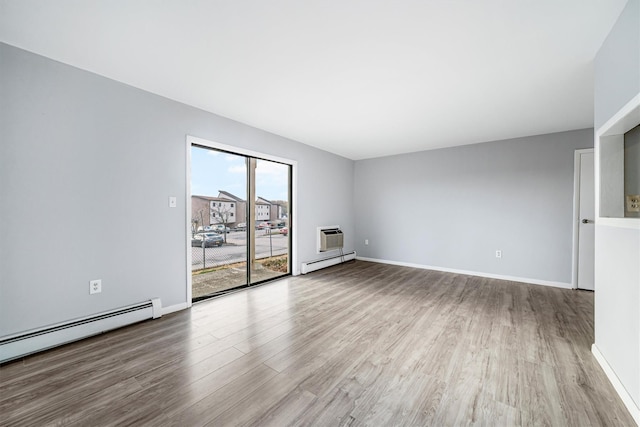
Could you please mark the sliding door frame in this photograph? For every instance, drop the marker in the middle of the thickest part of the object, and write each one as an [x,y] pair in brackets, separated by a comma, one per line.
[293,223]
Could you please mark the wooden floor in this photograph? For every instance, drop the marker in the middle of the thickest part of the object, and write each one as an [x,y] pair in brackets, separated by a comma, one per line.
[356,344]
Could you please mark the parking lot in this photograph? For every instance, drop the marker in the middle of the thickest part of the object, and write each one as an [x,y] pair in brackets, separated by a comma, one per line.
[235,249]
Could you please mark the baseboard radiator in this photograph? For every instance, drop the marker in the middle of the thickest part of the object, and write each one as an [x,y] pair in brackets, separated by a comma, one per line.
[25,343]
[308,267]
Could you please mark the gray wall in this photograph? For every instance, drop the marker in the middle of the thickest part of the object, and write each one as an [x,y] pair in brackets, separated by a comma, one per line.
[84,160]
[617,66]
[453,208]
[632,165]
[617,302]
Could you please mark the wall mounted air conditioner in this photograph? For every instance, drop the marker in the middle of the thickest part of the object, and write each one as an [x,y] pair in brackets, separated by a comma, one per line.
[330,238]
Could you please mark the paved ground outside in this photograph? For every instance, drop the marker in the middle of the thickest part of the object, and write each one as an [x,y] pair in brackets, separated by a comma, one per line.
[235,249]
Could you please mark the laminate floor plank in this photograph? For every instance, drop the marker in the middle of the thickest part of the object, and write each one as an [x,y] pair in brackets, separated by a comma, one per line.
[222,399]
[330,327]
[358,344]
[341,363]
[101,401]
[174,375]
[269,396]
[259,332]
[95,348]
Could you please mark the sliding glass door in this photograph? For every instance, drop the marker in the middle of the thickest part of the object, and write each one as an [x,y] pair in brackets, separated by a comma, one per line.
[270,239]
[239,221]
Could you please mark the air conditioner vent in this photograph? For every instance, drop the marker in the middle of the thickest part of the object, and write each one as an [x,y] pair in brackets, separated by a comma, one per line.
[330,239]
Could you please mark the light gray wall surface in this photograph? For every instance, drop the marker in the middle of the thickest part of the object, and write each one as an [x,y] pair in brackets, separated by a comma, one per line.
[632,165]
[617,281]
[453,208]
[86,168]
[617,66]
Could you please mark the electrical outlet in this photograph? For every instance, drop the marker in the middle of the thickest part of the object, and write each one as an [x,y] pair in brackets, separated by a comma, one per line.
[498,254]
[95,286]
[366,242]
[633,202]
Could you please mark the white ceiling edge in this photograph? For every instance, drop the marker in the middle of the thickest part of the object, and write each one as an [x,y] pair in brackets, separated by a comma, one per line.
[361,79]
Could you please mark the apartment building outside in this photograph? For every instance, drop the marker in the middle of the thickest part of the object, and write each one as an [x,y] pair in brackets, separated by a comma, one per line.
[230,209]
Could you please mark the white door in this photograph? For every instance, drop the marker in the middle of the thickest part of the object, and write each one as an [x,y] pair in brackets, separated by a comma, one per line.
[586,217]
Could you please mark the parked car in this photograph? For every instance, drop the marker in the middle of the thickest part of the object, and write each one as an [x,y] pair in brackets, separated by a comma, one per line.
[205,228]
[264,224]
[241,226]
[277,230]
[220,228]
[207,240]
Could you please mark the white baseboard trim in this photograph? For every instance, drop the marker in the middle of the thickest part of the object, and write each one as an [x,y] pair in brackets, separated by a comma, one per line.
[471,273]
[174,308]
[633,409]
[336,258]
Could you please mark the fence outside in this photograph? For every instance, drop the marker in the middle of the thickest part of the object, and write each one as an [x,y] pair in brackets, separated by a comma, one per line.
[234,251]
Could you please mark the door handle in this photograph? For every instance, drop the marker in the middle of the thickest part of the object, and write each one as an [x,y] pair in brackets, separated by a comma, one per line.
[586,221]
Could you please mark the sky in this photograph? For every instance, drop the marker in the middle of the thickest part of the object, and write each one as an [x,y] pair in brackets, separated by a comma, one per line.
[213,170]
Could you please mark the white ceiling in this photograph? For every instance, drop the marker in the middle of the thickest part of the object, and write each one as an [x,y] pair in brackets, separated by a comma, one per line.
[360,78]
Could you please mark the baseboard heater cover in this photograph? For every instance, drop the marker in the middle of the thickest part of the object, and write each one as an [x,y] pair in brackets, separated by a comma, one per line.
[25,343]
[308,267]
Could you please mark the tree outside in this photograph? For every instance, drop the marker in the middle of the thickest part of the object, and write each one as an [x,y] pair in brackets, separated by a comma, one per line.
[222,213]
